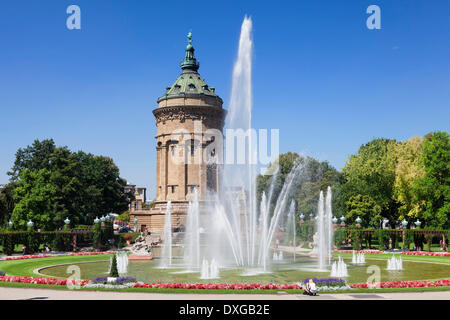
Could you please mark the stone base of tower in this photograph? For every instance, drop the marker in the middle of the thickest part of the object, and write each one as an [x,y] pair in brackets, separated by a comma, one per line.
[153,219]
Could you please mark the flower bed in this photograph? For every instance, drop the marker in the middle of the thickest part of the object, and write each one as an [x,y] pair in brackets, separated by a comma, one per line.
[37,256]
[32,256]
[37,280]
[406,284]
[425,253]
[358,251]
[223,286]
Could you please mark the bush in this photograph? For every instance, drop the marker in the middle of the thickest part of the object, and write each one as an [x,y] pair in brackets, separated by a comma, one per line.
[2,273]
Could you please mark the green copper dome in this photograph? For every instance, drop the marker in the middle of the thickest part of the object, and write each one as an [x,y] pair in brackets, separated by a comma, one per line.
[189,82]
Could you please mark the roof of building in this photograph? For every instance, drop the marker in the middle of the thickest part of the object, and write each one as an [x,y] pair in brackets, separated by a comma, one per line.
[189,82]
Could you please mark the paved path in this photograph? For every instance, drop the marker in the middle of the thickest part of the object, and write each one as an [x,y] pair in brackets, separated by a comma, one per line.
[47,294]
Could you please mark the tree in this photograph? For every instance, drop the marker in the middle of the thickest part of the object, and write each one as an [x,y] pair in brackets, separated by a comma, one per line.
[432,191]
[34,196]
[314,177]
[371,172]
[407,171]
[6,202]
[83,185]
[34,157]
[366,208]
[114,273]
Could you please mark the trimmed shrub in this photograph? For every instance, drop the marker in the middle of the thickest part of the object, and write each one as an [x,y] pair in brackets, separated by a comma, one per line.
[114,272]
[8,244]
[355,234]
[339,236]
[383,239]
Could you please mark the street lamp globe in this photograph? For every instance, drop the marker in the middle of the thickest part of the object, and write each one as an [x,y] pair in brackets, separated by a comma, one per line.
[404,223]
[335,220]
[10,223]
[418,223]
[358,220]
[102,219]
[30,223]
[302,216]
[96,220]
[342,219]
[67,221]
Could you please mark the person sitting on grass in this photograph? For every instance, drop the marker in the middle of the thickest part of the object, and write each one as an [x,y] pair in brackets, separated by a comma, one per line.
[310,288]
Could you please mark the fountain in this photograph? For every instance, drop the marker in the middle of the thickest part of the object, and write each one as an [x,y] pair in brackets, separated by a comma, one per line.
[323,238]
[209,270]
[122,263]
[278,257]
[395,263]
[166,254]
[192,234]
[339,269]
[358,258]
[237,231]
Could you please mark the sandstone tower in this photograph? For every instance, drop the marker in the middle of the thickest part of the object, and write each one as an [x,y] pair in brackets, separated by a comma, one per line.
[189,120]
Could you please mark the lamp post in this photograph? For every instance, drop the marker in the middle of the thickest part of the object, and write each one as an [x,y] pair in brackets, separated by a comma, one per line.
[342,221]
[418,223]
[358,221]
[334,220]
[385,222]
[30,225]
[302,216]
[404,225]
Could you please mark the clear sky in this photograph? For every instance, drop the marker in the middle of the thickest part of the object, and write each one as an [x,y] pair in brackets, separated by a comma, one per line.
[320,75]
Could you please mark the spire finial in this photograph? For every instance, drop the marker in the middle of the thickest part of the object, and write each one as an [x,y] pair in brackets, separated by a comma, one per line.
[189,62]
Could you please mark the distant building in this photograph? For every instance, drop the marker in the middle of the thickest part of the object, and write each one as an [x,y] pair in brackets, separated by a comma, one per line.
[140,195]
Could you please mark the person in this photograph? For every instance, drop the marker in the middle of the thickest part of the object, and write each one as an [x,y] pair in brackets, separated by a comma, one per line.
[24,249]
[310,288]
[47,249]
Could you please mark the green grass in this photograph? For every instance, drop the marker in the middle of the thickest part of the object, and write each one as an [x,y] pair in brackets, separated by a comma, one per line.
[404,257]
[27,266]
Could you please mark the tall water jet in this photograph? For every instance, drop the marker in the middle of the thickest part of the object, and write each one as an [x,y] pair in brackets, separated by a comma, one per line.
[291,227]
[243,174]
[320,225]
[329,224]
[192,234]
[324,227]
[122,263]
[264,231]
[166,254]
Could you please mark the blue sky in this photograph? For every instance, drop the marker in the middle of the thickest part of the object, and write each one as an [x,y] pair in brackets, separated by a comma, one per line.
[320,76]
